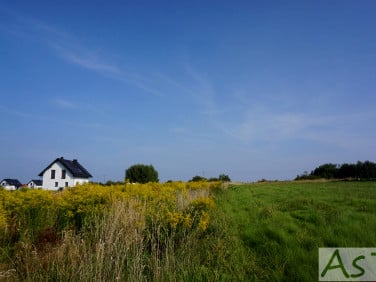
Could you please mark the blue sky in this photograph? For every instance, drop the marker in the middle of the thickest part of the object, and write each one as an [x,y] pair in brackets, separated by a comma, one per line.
[253,89]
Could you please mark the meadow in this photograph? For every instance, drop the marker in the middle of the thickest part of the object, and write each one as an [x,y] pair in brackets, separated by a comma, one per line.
[182,231]
[279,226]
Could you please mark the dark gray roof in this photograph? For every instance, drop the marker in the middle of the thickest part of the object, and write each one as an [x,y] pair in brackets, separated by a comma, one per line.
[13,182]
[74,167]
[37,182]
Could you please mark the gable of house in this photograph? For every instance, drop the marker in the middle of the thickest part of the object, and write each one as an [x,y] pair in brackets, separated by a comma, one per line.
[63,173]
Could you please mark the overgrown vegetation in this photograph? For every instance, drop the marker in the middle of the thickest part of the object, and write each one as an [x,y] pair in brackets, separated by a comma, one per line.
[98,233]
[195,231]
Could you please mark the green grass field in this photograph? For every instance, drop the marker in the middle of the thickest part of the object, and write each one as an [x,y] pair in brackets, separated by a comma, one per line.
[274,229]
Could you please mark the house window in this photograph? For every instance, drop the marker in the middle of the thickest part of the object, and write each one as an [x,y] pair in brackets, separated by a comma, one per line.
[63,173]
[56,184]
[53,174]
[66,184]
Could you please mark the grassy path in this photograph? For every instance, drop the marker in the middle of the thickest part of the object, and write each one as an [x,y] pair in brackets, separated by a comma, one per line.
[275,229]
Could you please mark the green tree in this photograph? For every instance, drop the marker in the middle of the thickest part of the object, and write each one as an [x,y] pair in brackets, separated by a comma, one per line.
[366,170]
[197,178]
[213,179]
[361,170]
[141,173]
[348,170]
[224,178]
[326,171]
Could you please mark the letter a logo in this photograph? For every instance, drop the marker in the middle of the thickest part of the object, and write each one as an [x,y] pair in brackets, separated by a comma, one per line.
[330,265]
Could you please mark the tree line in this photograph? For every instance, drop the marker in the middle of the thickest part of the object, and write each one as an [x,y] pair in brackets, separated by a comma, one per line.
[360,170]
[141,173]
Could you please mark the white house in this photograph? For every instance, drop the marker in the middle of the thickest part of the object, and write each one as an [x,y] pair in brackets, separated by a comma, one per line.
[10,184]
[35,183]
[63,173]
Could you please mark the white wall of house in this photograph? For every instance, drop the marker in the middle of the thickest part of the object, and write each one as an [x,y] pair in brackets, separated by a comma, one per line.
[58,181]
[6,186]
[80,181]
[32,185]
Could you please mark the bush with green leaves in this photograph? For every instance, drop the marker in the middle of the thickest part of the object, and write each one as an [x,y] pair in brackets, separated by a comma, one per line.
[140,173]
[197,178]
[224,178]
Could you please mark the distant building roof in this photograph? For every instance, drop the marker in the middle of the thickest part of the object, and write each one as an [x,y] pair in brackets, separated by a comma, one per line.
[37,182]
[74,167]
[12,182]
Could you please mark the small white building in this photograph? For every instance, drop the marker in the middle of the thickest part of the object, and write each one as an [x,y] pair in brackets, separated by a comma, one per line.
[64,173]
[32,184]
[10,184]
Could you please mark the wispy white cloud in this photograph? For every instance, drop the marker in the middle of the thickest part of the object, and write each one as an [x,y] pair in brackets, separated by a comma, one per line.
[69,48]
[14,112]
[75,51]
[89,125]
[61,103]
[86,60]
[271,127]
[240,118]
[76,105]
[267,126]
[249,119]
[65,104]
[177,87]
[79,55]
[205,93]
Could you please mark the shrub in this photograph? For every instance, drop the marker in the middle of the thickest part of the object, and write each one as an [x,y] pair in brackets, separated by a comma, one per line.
[197,178]
[140,173]
[224,178]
